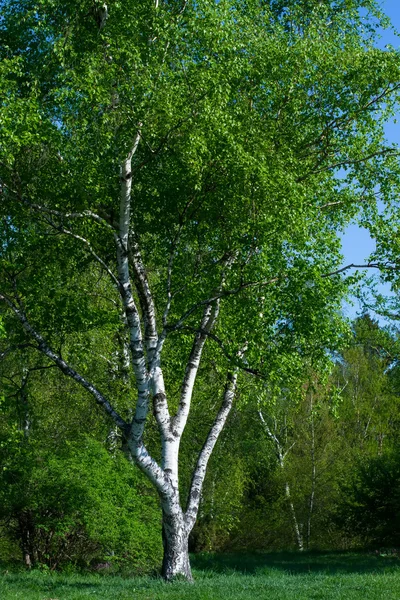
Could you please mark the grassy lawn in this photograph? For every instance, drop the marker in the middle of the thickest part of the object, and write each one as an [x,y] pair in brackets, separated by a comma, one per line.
[280,576]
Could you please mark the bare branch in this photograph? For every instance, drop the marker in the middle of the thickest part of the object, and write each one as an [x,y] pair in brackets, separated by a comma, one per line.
[339,122]
[62,229]
[210,316]
[361,198]
[388,265]
[71,215]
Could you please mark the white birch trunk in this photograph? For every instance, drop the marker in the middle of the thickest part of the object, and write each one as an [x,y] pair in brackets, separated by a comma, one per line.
[213,435]
[296,528]
[281,455]
[145,346]
[175,541]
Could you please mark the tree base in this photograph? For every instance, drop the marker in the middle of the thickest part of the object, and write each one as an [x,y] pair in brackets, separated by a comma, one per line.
[176,561]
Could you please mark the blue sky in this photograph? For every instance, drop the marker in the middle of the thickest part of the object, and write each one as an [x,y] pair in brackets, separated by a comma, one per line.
[356,242]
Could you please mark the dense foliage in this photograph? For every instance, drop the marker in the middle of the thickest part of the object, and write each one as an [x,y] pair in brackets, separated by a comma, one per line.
[174,179]
[69,499]
[80,507]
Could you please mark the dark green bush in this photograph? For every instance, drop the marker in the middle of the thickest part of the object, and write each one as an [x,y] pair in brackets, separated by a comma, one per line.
[80,506]
[370,502]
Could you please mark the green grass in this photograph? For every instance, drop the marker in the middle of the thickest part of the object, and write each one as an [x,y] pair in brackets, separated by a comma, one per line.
[279,576]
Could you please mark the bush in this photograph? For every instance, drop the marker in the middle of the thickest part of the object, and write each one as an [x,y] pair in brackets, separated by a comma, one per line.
[370,505]
[80,506]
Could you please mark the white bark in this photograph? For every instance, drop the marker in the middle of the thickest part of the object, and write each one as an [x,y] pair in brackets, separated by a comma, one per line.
[175,540]
[145,299]
[201,467]
[124,355]
[145,381]
[131,311]
[281,455]
[145,346]
[297,531]
[210,316]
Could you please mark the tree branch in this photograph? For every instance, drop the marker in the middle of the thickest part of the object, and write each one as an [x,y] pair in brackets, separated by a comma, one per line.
[349,161]
[218,296]
[80,238]
[201,466]
[234,360]
[132,315]
[146,300]
[365,266]
[43,347]
[210,316]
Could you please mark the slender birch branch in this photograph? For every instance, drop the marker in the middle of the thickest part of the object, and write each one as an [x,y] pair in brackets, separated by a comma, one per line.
[281,455]
[235,360]
[213,435]
[43,347]
[146,300]
[80,238]
[349,161]
[131,311]
[218,296]
[272,436]
[393,266]
[72,215]
[179,324]
[207,323]
[338,122]
[359,199]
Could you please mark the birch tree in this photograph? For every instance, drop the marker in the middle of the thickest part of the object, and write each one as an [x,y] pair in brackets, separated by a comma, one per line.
[189,153]
[281,454]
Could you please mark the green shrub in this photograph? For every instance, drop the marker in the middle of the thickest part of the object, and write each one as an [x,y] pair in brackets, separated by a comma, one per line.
[80,506]
[370,504]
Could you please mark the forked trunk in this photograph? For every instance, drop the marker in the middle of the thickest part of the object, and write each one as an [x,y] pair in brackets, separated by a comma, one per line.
[176,561]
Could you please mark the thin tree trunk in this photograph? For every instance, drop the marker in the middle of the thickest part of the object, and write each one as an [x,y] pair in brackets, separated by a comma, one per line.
[281,456]
[297,531]
[313,474]
[26,536]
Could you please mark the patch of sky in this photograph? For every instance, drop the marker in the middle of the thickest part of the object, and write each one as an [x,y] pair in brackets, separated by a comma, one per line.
[357,244]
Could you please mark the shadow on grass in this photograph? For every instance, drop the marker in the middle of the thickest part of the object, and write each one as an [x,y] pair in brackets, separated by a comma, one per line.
[296,562]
